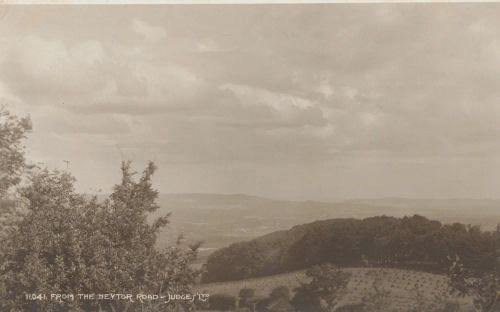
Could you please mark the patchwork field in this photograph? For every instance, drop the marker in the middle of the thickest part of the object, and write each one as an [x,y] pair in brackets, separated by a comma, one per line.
[406,288]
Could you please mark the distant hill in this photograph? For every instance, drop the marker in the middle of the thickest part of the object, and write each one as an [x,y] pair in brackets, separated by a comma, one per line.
[483,212]
[220,219]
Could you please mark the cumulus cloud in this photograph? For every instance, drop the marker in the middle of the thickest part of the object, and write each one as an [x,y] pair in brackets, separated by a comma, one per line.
[145,89]
[150,33]
[240,84]
[37,66]
[207,46]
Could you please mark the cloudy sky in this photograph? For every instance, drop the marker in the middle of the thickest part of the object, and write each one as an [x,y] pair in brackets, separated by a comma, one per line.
[286,101]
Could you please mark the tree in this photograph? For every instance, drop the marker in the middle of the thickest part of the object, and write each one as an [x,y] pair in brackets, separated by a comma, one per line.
[280,292]
[324,290]
[67,243]
[222,302]
[245,296]
[246,293]
[13,131]
[483,287]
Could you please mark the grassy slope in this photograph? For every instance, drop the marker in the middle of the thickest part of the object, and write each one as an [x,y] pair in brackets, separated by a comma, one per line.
[402,284]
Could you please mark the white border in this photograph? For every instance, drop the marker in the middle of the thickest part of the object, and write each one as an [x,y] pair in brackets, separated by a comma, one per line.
[69,2]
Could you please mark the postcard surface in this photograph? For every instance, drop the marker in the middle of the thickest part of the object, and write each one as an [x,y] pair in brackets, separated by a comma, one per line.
[258,157]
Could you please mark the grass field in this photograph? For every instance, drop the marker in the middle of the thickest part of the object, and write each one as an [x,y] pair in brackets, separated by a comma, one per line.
[406,287]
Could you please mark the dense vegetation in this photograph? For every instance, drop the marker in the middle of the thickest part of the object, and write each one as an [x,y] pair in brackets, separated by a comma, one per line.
[54,240]
[414,242]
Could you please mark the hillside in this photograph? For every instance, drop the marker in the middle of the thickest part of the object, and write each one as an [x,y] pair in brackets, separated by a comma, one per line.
[406,288]
[408,242]
[221,220]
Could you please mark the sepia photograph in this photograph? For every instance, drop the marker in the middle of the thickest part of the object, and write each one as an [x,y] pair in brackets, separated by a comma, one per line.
[250,156]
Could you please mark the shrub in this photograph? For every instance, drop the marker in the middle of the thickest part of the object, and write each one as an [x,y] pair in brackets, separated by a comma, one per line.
[67,243]
[222,302]
[280,292]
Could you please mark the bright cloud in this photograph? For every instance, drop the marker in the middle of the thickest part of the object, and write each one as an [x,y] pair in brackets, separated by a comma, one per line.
[294,84]
[150,33]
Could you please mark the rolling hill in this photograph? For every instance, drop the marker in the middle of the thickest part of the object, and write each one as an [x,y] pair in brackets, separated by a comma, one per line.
[220,220]
[408,242]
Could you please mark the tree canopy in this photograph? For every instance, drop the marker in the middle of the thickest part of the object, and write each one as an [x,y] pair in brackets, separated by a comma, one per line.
[409,242]
[13,131]
[322,293]
[65,242]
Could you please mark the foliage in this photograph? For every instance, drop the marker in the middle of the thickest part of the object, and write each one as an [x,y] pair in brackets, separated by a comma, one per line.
[280,292]
[242,260]
[484,287]
[245,296]
[222,302]
[13,131]
[68,243]
[246,293]
[323,291]
[408,242]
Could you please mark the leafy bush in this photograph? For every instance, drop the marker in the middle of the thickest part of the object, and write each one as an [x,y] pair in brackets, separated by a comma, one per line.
[246,293]
[68,243]
[222,302]
[323,291]
[280,292]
